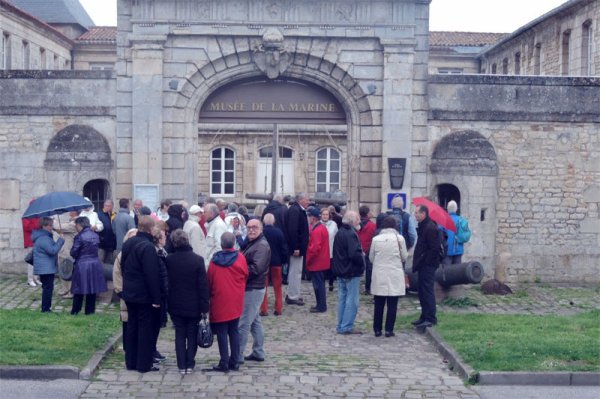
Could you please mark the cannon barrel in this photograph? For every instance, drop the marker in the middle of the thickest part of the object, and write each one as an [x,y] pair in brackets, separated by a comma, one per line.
[449,275]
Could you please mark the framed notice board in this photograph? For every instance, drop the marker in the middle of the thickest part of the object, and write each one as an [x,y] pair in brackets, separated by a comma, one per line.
[396,168]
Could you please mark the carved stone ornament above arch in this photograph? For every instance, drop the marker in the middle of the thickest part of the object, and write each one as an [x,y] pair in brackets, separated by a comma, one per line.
[466,153]
[78,147]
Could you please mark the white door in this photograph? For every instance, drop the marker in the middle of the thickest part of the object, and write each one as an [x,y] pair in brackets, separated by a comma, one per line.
[285,171]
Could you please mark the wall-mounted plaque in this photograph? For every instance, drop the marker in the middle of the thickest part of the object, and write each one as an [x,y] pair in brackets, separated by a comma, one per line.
[396,167]
[148,193]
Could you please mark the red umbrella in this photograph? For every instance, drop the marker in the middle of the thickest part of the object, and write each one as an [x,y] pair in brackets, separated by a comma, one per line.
[436,213]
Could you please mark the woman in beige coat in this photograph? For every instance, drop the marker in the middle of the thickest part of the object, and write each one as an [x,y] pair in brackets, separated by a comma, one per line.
[387,254]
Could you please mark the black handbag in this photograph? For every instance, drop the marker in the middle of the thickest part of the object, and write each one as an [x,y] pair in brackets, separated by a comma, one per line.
[65,269]
[29,257]
[205,334]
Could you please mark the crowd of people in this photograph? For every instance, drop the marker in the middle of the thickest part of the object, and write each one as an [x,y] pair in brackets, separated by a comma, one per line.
[215,260]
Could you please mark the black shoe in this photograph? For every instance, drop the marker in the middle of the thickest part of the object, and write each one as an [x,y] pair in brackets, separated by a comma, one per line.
[221,368]
[315,309]
[159,356]
[289,301]
[424,324]
[330,288]
[378,333]
[234,368]
[153,368]
[389,334]
[253,358]
[415,322]
[276,313]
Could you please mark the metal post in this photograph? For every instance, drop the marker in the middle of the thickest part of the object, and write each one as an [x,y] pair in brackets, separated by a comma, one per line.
[274,158]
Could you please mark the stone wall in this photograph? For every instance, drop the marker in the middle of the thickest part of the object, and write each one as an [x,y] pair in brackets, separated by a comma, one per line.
[40,105]
[546,134]
[548,34]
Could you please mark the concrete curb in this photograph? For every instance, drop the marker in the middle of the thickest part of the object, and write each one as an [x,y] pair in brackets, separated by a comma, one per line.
[465,371]
[558,378]
[57,372]
[91,367]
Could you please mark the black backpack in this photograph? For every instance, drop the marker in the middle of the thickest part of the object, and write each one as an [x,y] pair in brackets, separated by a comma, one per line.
[443,238]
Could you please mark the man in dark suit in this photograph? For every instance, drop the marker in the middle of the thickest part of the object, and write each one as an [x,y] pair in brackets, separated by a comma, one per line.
[426,260]
[141,293]
[297,238]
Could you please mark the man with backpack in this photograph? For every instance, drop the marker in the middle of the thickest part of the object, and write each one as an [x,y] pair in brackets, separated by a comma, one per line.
[405,224]
[456,240]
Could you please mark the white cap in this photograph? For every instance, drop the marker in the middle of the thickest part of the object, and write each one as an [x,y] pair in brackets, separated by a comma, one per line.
[194,209]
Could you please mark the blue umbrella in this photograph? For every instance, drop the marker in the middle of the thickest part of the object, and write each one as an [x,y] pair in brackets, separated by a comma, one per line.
[56,203]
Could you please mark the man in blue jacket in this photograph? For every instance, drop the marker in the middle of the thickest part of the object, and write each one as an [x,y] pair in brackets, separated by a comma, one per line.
[45,259]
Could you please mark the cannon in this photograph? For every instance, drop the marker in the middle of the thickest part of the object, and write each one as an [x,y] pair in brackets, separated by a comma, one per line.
[322,201]
[449,275]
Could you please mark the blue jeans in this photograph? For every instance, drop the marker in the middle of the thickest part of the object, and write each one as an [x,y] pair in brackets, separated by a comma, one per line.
[347,303]
[250,322]
[318,282]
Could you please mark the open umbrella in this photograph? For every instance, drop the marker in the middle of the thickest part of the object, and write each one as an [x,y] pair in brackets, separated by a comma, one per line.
[56,203]
[436,213]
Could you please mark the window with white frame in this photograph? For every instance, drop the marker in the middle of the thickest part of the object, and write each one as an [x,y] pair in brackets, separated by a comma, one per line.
[222,172]
[329,166]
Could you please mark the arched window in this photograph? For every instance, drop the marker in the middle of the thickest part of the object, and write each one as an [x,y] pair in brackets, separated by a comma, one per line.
[329,166]
[517,63]
[537,59]
[566,52]
[222,172]
[493,69]
[505,66]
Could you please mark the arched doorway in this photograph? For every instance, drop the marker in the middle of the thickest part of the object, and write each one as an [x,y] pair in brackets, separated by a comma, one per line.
[97,191]
[447,193]
[464,169]
[250,117]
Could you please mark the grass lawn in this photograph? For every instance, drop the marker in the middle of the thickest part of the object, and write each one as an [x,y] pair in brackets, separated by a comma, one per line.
[33,338]
[490,342]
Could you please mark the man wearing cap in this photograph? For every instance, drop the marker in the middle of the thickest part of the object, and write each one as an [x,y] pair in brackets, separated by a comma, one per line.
[194,232]
[317,258]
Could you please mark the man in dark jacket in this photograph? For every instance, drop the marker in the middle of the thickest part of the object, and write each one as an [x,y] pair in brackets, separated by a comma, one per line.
[279,256]
[258,257]
[348,267]
[108,241]
[188,298]
[278,209]
[141,293]
[297,237]
[426,261]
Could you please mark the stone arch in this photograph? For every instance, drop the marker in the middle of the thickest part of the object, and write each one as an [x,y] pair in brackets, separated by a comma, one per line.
[466,152]
[304,67]
[78,147]
[77,154]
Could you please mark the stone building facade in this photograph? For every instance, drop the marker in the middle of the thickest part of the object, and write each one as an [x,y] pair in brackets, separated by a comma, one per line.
[561,42]
[200,87]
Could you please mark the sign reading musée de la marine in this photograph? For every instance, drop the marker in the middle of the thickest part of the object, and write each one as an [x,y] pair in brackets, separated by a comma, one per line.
[277,101]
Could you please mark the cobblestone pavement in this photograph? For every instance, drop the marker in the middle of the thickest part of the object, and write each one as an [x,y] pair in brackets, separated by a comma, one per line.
[306,358]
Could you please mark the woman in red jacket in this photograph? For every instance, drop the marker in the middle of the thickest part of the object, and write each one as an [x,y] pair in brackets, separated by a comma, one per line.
[317,258]
[28,226]
[227,275]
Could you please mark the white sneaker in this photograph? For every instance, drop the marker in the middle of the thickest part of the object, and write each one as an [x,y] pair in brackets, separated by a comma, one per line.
[31,283]
[37,281]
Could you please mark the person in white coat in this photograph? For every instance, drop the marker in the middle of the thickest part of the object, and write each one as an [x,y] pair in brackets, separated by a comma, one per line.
[95,223]
[194,232]
[215,227]
[388,253]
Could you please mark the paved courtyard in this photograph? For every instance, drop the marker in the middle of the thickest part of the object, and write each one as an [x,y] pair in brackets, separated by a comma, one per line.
[306,358]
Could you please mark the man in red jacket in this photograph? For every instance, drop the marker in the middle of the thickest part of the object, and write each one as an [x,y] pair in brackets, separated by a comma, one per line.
[365,235]
[317,258]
